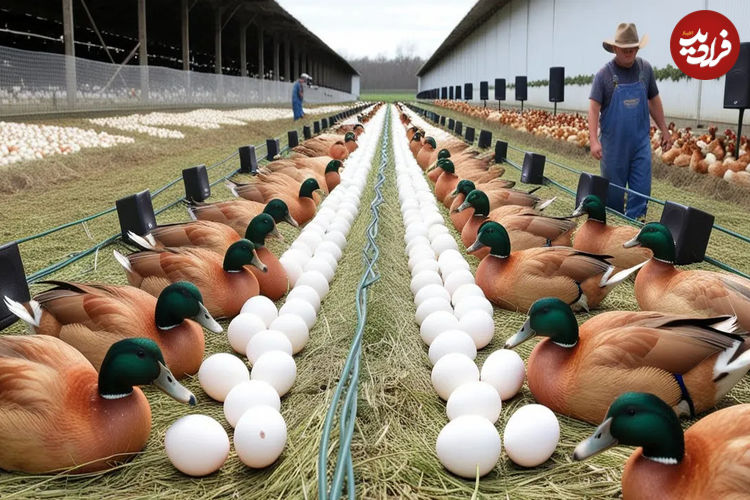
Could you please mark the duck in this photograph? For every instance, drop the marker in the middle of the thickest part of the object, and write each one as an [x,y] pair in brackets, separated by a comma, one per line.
[463,188]
[58,414]
[300,202]
[273,282]
[527,227]
[446,182]
[332,176]
[689,362]
[708,460]
[426,153]
[596,236]
[225,286]
[660,286]
[237,214]
[516,280]
[92,317]
[214,236]
[415,143]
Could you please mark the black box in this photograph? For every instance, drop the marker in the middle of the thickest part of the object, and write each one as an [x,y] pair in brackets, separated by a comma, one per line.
[13,282]
[324,123]
[306,132]
[469,135]
[459,129]
[272,148]
[136,213]
[451,123]
[292,138]
[248,160]
[316,127]
[533,168]
[197,187]
[501,151]
[485,139]
[591,184]
[691,230]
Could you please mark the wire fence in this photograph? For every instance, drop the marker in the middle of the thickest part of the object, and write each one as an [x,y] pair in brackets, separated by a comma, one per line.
[348,385]
[38,82]
[548,181]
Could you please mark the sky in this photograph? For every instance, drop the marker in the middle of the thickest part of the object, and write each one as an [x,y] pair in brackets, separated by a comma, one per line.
[359,28]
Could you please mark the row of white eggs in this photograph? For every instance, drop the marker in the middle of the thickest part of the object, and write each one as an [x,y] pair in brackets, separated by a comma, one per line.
[469,443]
[197,445]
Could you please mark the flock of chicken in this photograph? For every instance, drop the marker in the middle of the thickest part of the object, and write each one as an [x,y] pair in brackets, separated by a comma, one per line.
[720,156]
[63,388]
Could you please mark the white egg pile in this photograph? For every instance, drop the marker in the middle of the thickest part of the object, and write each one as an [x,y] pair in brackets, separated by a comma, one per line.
[25,141]
[153,123]
[269,337]
[455,321]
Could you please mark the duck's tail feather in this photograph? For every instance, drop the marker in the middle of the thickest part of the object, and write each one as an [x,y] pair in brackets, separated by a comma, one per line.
[124,262]
[545,203]
[146,242]
[232,187]
[34,318]
[609,279]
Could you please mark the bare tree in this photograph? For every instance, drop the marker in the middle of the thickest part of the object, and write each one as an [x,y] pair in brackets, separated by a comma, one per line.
[398,73]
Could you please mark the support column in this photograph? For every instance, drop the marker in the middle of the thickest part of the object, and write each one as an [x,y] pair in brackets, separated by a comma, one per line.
[295,61]
[217,41]
[185,22]
[276,54]
[70,52]
[287,62]
[261,65]
[243,50]
[142,49]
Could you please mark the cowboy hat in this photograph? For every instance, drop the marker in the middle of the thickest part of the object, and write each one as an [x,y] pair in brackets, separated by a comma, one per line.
[626,37]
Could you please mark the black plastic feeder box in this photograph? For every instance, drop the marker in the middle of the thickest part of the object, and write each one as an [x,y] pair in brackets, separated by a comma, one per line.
[248,160]
[136,213]
[501,151]
[324,123]
[292,138]
[459,128]
[485,139]
[470,135]
[591,184]
[197,187]
[272,148]
[306,132]
[13,282]
[442,121]
[316,127]
[451,124]
[533,168]
[691,230]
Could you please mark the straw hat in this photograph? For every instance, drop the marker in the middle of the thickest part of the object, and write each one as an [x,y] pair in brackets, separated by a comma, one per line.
[626,37]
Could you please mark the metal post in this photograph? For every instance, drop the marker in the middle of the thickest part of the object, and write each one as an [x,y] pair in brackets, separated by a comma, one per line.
[70,52]
[243,50]
[217,41]
[276,54]
[287,61]
[261,65]
[295,63]
[142,49]
[185,22]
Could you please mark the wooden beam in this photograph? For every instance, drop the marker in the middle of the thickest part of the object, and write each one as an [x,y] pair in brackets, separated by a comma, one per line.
[276,54]
[185,24]
[70,51]
[142,49]
[217,40]
[261,65]
[287,61]
[243,50]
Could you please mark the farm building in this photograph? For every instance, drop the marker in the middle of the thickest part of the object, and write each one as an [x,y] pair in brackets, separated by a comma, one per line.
[505,39]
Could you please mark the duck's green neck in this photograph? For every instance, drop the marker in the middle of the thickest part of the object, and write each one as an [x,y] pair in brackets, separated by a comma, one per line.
[659,239]
[307,188]
[465,186]
[276,209]
[128,363]
[597,212]
[238,255]
[260,226]
[556,322]
[333,166]
[480,202]
[172,307]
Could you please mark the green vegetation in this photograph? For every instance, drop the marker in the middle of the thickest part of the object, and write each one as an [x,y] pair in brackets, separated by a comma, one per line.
[388,95]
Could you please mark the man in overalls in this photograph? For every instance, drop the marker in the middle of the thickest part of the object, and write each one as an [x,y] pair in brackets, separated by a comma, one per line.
[625,93]
[298,95]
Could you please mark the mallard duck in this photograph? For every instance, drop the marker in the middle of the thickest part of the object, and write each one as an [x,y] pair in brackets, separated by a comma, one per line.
[526,227]
[595,236]
[710,460]
[273,281]
[463,188]
[425,156]
[214,236]
[446,181]
[515,280]
[301,203]
[579,372]
[415,143]
[57,413]
[660,286]
[225,286]
[93,317]
[238,213]
[332,176]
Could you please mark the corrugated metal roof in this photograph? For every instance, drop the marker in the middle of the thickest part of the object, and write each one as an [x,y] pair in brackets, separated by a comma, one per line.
[478,15]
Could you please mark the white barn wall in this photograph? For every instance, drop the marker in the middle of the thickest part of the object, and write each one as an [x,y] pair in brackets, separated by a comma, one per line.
[526,37]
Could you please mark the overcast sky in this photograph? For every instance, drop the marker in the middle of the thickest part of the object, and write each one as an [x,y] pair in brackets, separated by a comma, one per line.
[358,28]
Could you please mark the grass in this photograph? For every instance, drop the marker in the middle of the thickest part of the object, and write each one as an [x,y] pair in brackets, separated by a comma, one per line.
[399,414]
[388,95]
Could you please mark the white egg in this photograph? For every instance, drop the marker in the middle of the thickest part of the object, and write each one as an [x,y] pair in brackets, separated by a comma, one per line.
[480,325]
[448,267]
[321,265]
[425,265]
[294,328]
[457,278]
[292,268]
[468,290]
[242,328]
[316,280]
[435,230]
[435,324]
[504,369]
[443,242]
[277,368]
[419,240]
[310,238]
[197,445]
[341,225]
[336,237]
[248,394]
[474,398]
[452,341]
[301,246]
[430,292]
[306,293]
[467,445]
[423,279]
[471,303]
[267,340]
[301,308]
[261,306]
[220,372]
[419,255]
[295,255]
[421,250]
[449,255]
[452,370]
[531,435]
[317,226]
[330,247]
[416,229]
[260,436]
[328,257]
[431,305]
